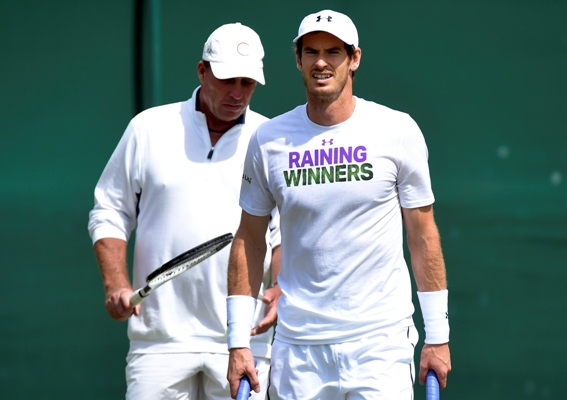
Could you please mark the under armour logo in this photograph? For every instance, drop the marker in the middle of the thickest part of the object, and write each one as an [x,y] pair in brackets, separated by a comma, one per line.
[329,18]
[330,141]
[447,315]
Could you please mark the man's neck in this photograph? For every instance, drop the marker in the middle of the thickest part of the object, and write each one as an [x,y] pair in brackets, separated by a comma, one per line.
[332,112]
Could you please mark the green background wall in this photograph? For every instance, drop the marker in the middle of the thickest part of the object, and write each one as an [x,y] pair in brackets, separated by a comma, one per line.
[485,79]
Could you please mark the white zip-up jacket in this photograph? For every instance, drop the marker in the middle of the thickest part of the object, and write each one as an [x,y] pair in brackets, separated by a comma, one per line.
[166,181]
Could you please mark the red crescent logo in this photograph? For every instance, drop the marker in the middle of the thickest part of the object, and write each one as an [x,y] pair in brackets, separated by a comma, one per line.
[243,49]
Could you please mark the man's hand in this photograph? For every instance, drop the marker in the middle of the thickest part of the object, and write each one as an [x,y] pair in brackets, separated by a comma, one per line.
[270,299]
[240,363]
[438,358]
[118,304]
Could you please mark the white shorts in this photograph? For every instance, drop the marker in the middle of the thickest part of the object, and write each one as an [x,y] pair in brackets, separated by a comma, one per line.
[376,367]
[184,376]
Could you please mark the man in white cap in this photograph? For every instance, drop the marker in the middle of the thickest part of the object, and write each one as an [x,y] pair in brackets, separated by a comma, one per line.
[175,178]
[346,175]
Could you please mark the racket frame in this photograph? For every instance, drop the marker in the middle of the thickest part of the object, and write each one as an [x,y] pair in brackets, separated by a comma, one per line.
[176,266]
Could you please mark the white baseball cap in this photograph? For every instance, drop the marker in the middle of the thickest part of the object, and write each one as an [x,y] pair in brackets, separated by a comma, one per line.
[333,22]
[235,50]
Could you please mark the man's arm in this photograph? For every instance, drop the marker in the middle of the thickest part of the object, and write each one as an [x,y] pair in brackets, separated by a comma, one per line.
[271,296]
[111,256]
[430,276]
[245,272]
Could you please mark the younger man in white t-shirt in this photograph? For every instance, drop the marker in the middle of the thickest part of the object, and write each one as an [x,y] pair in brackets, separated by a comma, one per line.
[347,175]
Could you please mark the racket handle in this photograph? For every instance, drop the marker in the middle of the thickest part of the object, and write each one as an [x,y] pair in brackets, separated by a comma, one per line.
[136,298]
[431,386]
[244,389]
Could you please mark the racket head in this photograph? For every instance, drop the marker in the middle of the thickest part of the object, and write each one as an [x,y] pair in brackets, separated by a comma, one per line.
[431,386]
[187,259]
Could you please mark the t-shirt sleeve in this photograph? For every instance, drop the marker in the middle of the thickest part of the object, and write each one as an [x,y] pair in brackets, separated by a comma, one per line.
[414,182]
[255,196]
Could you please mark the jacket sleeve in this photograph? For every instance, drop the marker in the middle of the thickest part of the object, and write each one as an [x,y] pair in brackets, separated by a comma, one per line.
[118,191]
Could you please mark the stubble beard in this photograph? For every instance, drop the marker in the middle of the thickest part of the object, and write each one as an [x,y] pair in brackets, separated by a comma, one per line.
[325,96]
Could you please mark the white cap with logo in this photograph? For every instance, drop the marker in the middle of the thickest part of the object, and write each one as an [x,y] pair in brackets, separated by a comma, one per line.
[235,50]
[332,22]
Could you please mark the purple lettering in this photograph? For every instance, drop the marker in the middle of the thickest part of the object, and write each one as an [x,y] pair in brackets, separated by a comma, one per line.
[326,156]
[294,159]
[307,160]
[360,154]
[345,155]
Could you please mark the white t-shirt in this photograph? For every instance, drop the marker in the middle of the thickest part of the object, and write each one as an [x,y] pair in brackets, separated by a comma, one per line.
[339,190]
[164,180]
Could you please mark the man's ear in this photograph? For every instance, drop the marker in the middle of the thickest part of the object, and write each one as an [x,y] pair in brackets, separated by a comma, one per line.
[201,69]
[297,61]
[356,56]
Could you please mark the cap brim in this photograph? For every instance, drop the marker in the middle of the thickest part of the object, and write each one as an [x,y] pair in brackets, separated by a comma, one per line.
[347,41]
[229,71]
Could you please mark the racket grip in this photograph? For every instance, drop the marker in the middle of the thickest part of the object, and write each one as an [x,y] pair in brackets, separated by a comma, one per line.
[431,386]
[244,389]
[136,298]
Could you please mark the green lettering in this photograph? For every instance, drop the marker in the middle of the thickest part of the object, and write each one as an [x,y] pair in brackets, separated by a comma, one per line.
[292,177]
[367,173]
[314,176]
[328,174]
[353,170]
[340,172]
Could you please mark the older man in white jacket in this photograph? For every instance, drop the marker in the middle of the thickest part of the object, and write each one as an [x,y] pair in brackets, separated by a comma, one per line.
[175,178]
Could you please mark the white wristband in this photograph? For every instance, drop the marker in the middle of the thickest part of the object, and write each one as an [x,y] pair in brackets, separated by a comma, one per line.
[240,317]
[434,308]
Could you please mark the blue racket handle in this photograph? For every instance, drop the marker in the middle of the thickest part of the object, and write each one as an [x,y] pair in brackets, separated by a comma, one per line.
[244,389]
[431,386]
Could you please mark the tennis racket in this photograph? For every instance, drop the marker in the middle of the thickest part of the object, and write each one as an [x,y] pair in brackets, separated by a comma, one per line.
[178,265]
[244,389]
[431,386]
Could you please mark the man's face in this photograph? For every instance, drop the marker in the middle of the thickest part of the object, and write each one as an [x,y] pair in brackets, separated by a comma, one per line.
[325,65]
[223,100]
